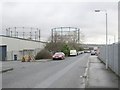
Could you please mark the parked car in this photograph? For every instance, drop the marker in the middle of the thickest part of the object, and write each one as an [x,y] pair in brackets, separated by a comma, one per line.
[93,52]
[58,55]
[79,52]
[73,52]
[86,51]
[82,52]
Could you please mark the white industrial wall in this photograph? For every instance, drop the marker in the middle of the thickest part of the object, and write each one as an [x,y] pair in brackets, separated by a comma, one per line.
[15,45]
[10,54]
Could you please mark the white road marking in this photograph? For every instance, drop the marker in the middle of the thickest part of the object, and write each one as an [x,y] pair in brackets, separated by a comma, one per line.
[52,79]
[85,76]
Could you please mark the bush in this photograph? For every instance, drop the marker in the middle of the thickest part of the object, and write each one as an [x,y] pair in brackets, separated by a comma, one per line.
[62,46]
[54,46]
[80,49]
[66,49]
[43,54]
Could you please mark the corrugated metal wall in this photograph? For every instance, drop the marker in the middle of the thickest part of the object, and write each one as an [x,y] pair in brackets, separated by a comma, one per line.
[112,57]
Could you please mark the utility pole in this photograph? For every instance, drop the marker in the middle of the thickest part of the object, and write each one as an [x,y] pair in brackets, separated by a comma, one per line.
[106,51]
[39,34]
[61,34]
[23,34]
[6,32]
[78,35]
[17,34]
[11,33]
[30,35]
[106,43]
[15,31]
[35,35]
[52,35]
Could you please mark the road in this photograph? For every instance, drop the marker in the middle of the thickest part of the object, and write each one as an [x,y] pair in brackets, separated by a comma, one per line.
[53,74]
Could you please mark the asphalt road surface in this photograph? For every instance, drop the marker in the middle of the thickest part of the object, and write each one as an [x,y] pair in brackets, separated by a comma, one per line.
[52,74]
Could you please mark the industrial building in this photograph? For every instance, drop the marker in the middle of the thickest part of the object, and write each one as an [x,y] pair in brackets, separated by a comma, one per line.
[65,34]
[14,48]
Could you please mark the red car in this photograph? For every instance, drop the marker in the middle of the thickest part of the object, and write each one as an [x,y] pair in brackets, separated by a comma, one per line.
[58,55]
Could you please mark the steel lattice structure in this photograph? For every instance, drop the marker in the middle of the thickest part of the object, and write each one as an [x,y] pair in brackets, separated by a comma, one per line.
[24,32]
[65,34]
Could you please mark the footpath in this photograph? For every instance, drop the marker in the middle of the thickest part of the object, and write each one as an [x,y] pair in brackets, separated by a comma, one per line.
[99,76]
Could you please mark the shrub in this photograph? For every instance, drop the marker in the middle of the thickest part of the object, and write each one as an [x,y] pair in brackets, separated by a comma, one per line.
[54,46]
[43,54]
[62,46]
[80,49]
[66,49]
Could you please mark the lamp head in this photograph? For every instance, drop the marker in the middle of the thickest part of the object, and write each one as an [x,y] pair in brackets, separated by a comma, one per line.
[97,10]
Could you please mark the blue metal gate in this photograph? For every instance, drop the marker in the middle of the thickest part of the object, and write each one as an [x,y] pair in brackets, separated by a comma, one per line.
[3,53]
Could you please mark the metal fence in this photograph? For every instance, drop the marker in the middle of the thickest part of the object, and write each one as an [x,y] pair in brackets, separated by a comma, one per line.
[113,57]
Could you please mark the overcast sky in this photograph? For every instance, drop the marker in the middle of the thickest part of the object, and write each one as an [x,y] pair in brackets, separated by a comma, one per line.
[47,15]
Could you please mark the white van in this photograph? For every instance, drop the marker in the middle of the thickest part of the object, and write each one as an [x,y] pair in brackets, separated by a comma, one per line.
[73,53]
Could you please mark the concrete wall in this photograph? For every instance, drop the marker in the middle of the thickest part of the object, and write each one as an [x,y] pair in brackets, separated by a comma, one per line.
[113,59]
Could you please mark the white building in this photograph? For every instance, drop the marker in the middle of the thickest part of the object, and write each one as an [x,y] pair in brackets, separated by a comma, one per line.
[16,48]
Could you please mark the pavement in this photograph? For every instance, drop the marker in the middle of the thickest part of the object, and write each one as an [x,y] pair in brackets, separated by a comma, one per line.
[99,76]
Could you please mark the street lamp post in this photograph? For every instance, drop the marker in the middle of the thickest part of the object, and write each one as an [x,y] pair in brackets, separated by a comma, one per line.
[106,37]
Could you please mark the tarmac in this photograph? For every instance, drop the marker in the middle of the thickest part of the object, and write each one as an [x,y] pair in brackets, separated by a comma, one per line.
[4,69]
[97,76]
[11,65]
[100,77]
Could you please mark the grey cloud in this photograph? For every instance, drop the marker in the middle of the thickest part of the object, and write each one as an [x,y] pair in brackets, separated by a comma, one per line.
[50,15]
